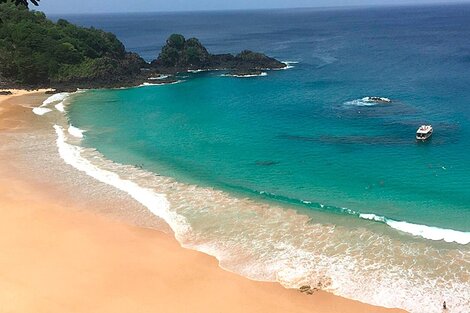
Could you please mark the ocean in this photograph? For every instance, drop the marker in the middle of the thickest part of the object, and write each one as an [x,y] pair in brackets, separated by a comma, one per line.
[293,176]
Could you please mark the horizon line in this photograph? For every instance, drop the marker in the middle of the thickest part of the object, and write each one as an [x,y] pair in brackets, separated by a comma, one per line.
[325,8]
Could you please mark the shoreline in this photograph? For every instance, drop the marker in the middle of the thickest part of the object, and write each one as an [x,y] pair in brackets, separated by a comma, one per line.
[126,266]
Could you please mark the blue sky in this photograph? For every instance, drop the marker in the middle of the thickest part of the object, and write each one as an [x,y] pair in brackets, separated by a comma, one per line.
[93,6]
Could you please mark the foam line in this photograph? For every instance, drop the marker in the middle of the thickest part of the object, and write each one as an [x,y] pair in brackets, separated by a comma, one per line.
[55,98]
[158,77]
[60,107]
[427,232]
[58,97]
[156,203]
[245,76]
[368,101]
[41,110]
[288,65]
[159,84]
[75,131]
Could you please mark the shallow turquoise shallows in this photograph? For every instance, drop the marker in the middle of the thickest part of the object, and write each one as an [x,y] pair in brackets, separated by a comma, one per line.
[292,139]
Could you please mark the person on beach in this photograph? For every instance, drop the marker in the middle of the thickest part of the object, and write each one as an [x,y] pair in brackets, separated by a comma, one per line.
[444,306]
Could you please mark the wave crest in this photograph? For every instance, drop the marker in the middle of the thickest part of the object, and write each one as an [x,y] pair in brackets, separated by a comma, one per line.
[424,231]
[156,203]
[368,101]
[57,98]
[245,76]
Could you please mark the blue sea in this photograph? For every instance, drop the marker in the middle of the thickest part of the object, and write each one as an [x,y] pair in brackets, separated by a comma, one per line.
[293,176]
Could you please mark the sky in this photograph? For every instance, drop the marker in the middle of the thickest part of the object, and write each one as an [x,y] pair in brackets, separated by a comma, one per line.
[114,6]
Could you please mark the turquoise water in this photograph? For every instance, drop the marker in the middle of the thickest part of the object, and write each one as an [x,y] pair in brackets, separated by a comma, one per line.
[269,135]
[301,138]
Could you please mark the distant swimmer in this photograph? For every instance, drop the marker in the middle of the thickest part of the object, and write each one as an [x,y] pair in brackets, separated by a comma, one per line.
[444,305]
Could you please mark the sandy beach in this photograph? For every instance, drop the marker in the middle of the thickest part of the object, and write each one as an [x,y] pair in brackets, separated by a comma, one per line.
[58,257]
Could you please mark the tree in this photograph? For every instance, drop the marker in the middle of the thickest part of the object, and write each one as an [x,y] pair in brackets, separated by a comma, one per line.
[23,2]
[176,41]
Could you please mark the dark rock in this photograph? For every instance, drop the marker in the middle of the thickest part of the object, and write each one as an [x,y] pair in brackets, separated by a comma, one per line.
[305,288]
[181,55]
[308,290]
[5,93]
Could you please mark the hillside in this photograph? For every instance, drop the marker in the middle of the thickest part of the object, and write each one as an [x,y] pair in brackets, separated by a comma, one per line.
[35,51]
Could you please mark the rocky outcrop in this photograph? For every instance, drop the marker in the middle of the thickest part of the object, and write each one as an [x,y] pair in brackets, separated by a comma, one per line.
[180,55]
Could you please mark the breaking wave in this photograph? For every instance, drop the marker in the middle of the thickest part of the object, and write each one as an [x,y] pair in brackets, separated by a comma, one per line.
[57,99]
[158,84]
[418,230]
[156,203]
[427,232]
[368,101]
[76,132]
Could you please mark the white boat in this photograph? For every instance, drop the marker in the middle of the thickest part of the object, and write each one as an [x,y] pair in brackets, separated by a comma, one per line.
[424,132]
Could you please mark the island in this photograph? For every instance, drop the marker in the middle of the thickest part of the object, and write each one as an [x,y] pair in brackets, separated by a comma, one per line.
[36,52]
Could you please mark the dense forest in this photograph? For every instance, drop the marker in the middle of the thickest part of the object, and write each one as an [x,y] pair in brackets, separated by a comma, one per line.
[35,51]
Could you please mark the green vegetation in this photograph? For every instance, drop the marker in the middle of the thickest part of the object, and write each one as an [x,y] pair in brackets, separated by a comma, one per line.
[36,51]
[180,54]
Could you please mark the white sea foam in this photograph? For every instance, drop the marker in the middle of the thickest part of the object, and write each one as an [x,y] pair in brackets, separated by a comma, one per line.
[367,101]
[372,217]
[75,131]
[58,97]
[360,103]
[377,99]
[60,107]
[147,84]
[159,77]
[245,76]
[424,231]
[198,71]
[156,203]
[288,65]
[159,84]
[432,233]
[41,110]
